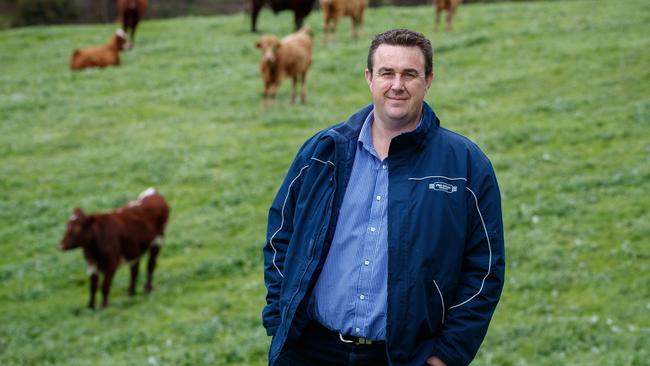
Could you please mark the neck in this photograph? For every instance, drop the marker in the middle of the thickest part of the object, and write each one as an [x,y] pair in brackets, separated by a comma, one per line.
[383,133]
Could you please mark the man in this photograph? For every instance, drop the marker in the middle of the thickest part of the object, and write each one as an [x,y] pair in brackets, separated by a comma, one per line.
[385,241]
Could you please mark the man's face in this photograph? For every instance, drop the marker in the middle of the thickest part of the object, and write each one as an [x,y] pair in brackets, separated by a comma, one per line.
[398,84]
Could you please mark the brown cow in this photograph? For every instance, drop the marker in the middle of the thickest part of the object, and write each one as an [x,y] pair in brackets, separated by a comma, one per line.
[450,7]
[301,8]
[333,10]
[129,13]
[291,57]
[99,56]
[123,235]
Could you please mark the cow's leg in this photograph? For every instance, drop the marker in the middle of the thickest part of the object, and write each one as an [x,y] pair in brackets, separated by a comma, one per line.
[303,89]
[326,27]
[256,7]
[297,20]
[106,283]
[294,81]
[332,31]
[272,92]
[355,27]
[450,17]
[133,27]
[94,278]
[151,264]
[135,266]
[438,11]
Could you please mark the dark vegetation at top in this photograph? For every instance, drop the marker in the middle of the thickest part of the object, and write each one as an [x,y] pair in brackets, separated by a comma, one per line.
[19,13]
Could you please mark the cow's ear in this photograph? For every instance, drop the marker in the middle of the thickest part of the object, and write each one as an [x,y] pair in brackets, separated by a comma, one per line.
[258,44]
[87,221]
[79,212]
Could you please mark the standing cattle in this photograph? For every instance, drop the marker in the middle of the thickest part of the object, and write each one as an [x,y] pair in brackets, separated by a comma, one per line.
[333,10]
[301,9]
[123,235]
[129,13]
[450,7]
[99,56]
[289,58]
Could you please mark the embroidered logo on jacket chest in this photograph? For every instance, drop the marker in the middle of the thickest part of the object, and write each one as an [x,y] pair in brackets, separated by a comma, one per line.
[443,187]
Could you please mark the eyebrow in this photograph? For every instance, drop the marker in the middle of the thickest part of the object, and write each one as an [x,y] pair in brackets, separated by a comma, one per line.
[409,70]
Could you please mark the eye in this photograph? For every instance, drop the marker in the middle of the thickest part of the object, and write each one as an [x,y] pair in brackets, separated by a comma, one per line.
[410,75]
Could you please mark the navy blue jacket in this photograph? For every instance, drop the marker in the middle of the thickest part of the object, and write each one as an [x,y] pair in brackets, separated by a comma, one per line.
[445,239]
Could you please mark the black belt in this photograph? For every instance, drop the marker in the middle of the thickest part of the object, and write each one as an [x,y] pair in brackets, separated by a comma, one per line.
[317,329]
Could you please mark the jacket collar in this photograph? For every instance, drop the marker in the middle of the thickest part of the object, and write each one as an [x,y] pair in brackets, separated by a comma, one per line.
[352,127]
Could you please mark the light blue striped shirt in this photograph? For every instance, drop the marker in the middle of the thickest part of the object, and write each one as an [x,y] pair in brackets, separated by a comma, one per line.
[350,295]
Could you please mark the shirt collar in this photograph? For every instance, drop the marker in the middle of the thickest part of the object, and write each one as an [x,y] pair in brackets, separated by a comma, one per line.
[365,135]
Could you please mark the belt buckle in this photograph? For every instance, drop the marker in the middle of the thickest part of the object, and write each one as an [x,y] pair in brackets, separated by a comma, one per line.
[359,340]
[363,341]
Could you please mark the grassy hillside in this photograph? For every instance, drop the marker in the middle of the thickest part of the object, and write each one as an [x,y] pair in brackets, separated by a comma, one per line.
[556,93]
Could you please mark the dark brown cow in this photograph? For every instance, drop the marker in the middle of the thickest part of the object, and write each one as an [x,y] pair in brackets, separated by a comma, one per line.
[129,13]
[301,8]
[123,235]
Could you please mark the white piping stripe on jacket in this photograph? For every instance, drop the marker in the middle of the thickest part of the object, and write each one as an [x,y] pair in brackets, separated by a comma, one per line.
[438,176]
[487,237]
[324,162]
[275,252]
[441,299]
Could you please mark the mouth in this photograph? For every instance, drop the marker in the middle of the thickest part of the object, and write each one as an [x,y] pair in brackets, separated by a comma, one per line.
[397,98]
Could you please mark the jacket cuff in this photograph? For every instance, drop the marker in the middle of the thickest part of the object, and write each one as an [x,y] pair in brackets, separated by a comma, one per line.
[270,331]
[445,356]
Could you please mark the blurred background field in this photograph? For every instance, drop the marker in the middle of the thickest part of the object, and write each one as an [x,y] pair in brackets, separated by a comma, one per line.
[556,93]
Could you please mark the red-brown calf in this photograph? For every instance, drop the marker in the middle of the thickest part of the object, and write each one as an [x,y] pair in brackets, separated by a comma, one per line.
[123,235]
[99,56]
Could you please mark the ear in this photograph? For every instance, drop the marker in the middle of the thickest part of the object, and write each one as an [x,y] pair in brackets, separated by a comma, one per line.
[429,79]
[258,44]
[79,212]
[368,75]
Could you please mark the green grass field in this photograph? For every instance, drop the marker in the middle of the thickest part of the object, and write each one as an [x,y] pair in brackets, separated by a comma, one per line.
[556,93]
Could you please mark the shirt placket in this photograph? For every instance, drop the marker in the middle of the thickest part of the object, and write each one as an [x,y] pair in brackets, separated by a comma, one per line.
[367,294]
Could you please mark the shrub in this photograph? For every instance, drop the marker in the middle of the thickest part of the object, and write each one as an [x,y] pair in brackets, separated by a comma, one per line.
[34,12]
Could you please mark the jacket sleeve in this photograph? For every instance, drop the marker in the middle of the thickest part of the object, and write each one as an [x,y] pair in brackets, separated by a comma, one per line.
[278,237]
[482,273]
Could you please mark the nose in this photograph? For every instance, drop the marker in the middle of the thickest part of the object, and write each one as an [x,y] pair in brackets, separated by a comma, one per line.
[269,57]
[398,82]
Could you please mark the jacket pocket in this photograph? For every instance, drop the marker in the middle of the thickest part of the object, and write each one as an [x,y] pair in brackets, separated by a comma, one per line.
[442,301]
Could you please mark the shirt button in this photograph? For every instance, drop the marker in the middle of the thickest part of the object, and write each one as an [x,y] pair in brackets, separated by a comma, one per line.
[362,297]
[373,229]
[383,166]
[366,263]
[378,198]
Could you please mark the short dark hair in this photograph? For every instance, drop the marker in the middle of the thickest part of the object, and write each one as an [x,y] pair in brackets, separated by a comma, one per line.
[405,38]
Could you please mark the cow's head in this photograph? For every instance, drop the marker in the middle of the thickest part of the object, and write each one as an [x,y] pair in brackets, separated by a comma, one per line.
[269,45]
[78,231]
[122,40]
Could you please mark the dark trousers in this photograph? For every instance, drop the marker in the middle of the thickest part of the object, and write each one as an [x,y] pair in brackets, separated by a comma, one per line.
[319,346]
